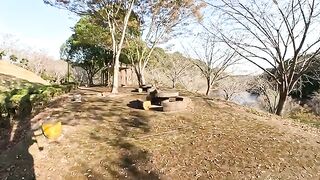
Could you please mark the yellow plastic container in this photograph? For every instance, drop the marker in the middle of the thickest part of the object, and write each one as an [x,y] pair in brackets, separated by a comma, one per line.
[52,130]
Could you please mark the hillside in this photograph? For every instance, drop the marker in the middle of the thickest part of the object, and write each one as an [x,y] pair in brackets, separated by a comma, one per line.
[106,138]
[12,76]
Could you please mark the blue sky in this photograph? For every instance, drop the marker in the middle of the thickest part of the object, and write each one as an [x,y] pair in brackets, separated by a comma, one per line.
[36,24]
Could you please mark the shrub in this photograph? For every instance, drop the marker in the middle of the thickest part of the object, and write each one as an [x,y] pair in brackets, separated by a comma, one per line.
[2,99]
[26,99]
[2,108]
[38,99]
[18,98]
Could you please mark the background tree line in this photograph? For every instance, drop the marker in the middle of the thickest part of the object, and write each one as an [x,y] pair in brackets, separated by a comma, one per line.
[278,37]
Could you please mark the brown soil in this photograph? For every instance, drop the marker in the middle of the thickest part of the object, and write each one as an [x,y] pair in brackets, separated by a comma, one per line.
[105,137]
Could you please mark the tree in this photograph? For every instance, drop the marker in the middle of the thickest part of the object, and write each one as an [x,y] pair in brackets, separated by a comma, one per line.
[2,53]
[89,57]
[64,55]
[79,75]
[113,14]
[160,21]
[308,83]
[214,60]
[158,18]
[87,31]
[38,62]
[24,63]
[277,33]
[267,91]
[233,85]
[13,58]
[175,66]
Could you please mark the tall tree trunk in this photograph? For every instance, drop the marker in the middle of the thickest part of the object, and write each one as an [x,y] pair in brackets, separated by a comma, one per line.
[68,72]
[208,86]
[140,76]
[108,77]
[143,80]
[281,103]
[173,83]
[115,83]
[90,80]
[103,77]
[140,79]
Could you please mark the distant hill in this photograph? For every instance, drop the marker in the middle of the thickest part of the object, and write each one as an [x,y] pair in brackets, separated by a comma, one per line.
[12,76]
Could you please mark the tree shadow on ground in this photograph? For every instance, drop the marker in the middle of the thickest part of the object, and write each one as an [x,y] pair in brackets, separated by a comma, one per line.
[15,160]
[136,104]
[90,110]
[134,161]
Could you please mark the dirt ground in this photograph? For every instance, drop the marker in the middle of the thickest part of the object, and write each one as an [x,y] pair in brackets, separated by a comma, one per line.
[108,138]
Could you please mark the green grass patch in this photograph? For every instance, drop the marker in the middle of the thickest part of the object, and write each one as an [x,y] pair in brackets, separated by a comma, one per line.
[18,100]
[307,117]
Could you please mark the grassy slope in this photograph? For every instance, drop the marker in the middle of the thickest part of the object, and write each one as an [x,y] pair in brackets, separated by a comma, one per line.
[106,139]
[12,77]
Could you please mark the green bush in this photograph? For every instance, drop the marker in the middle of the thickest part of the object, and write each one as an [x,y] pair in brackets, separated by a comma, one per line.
[25,99]
[2,105]
[39,99]
[48,93]
[3,97]
[20,97]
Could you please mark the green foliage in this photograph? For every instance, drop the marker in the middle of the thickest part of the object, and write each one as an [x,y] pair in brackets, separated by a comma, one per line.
[44,75]
[87,31]
[2,53]
[135,49]
[13,58]
[88,47]
[305,116]
[24,62]
[17,100]
[38,99]
[158,55]
[133,26]
[91,41]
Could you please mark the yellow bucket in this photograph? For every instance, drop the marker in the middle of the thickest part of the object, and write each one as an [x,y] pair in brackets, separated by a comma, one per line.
[52,130]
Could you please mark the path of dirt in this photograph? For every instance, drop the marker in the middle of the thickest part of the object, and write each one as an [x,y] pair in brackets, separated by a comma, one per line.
[106,138]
